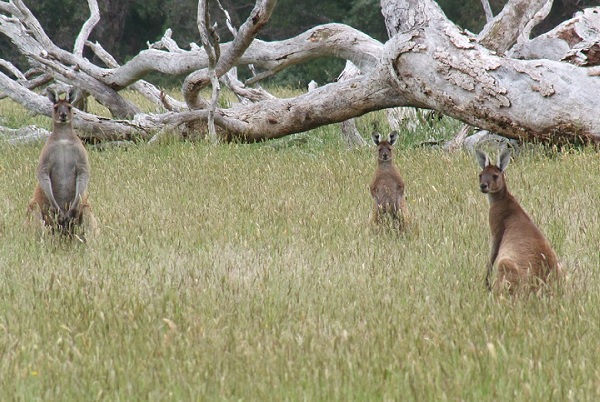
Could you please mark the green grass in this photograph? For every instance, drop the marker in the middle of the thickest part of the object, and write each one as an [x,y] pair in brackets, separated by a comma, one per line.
[248,272]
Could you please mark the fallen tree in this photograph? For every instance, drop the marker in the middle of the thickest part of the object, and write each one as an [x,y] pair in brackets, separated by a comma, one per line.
[496,80]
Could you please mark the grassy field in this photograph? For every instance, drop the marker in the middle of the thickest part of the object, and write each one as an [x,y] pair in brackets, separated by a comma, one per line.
[249,272]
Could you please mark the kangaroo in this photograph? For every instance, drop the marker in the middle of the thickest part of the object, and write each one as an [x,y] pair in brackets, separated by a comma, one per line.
[60,197]
[387,186]
[520,252]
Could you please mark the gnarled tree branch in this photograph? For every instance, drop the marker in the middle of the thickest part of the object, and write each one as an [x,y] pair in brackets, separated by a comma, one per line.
[427,63]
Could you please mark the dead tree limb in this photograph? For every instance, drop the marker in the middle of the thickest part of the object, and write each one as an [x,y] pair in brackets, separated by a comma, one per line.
[428,62]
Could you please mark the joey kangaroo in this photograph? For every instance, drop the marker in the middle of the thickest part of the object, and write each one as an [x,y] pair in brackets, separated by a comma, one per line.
[387,186]
[60,197]
[520,252]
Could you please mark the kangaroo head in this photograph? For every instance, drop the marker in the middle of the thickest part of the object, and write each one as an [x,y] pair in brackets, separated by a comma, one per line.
[62,110]
[491,178]
[384,148]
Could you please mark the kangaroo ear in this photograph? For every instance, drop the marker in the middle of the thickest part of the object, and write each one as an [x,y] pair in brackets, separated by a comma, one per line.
[376,137]
[504,159]
[482,158]
[74,93]
[393,137]
[52,95]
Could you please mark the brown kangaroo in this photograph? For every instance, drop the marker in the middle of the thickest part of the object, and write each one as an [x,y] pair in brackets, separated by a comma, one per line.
[60,197]
[387,186]
[519,250]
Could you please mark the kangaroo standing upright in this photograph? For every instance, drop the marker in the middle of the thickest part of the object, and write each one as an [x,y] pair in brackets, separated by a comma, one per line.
[520,252]
[387,186]
[60,197]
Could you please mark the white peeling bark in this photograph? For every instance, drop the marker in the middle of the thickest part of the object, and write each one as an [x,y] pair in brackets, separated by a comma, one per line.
[501,33]
[483,89]
[427,63]
[576,41]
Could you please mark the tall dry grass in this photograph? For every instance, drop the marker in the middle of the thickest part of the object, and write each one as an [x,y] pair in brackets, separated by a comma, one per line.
[249,272]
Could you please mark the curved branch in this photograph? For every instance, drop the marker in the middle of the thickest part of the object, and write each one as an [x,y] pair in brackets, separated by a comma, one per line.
[87,28]
[196,81]
[119,107]
[427,63]
[27,34]
[576,41]
[501,33]
[211,47]
[33,26]
[149,91]
[275,117]
[11,68]
[337,40]
[324,105]
[246,33]
[31,84]
[30,100]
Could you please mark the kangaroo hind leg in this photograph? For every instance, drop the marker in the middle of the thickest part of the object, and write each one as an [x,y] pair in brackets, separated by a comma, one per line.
[509,277]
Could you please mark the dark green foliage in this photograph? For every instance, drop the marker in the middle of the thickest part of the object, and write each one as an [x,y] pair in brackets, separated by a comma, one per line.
[468,14]
[365,15]
[61,19]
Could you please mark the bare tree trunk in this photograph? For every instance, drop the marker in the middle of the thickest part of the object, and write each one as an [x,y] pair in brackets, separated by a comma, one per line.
[482,88]
[87,28]
[211,47]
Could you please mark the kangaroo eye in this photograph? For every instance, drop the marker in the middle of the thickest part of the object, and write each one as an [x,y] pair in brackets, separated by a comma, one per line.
[495,176]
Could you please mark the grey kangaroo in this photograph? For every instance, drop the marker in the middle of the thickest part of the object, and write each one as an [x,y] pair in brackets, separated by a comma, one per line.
[60,197]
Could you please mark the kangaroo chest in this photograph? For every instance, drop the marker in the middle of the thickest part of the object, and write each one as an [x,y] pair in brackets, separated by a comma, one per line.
[64,170]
